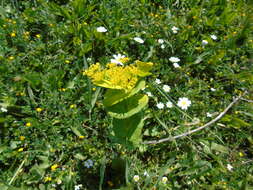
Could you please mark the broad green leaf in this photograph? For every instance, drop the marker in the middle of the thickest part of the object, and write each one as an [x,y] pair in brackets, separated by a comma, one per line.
[128,107]
[128,131]
[114,96]
[220,148]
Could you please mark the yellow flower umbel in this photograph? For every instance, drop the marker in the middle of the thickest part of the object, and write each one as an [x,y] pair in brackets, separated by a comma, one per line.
[118,77]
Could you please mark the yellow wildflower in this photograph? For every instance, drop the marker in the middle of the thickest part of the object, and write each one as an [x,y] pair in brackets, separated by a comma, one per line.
[72,106]
[53,167]
[67,61]
[241,154]
[38,109]
[46,179]
[81,137]
[28,124]
[38,36]
[11,58]
[20,149]
[13,34]
[22,138]
[118,77]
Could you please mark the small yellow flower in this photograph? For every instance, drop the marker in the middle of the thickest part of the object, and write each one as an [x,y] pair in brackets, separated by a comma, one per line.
[241,154]
[28,124]
[53,167]
[94,89]
[38,36]
[38,109]
[72,106]
[20,149]
[13,34]
[14,22]
[46,179]
[110,183]
[62,89]
[81,137]
[11,58]
[67,61]
[51,25]
[22,138]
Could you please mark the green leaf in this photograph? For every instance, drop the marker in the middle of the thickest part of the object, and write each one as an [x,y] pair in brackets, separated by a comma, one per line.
[220,148]
[128,107]
[113,96]
[128,131]
[233,121]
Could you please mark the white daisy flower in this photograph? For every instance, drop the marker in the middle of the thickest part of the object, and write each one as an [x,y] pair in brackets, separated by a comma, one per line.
[117,59]
[229,167]
[149,94]
[214,37]
[176,65]
[136,178]
[174,59]
[164,179]
[162,46]
[77,187]
[208,114]
[204,42]
[166,88]
[158,81]
[146,174]
[139,40]
[169,104]
[174,29]
[160,41]
[3,109]
[160,105]
[184,103]
[101,29]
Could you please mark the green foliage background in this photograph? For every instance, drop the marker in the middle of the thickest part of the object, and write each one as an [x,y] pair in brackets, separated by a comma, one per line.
[43,69]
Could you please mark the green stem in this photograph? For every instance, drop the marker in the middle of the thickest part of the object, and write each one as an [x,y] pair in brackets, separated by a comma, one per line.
[17,171]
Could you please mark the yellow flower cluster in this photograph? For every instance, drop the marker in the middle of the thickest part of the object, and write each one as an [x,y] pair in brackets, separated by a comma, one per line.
[118,77]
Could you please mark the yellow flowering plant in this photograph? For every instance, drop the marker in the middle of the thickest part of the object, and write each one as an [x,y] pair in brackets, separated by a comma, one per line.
[122,99]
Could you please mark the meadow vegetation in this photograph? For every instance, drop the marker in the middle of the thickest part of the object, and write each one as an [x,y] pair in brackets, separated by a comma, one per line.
[126,94]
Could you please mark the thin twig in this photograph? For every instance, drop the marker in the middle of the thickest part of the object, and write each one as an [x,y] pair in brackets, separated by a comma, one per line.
[247,100]
[199,128]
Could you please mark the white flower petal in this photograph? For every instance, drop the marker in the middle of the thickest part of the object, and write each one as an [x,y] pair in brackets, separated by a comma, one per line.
[169,104]
[139,40]
[158,81]
[160,105]
[101,29]
[204,42]
[166,88]
[176,65]
[174,59]
[214,37]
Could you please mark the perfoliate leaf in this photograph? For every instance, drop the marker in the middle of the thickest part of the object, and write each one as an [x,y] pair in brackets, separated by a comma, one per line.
[128,107]
[115,96]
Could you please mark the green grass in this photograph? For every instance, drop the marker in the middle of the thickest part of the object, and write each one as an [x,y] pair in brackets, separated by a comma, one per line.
[45,46]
